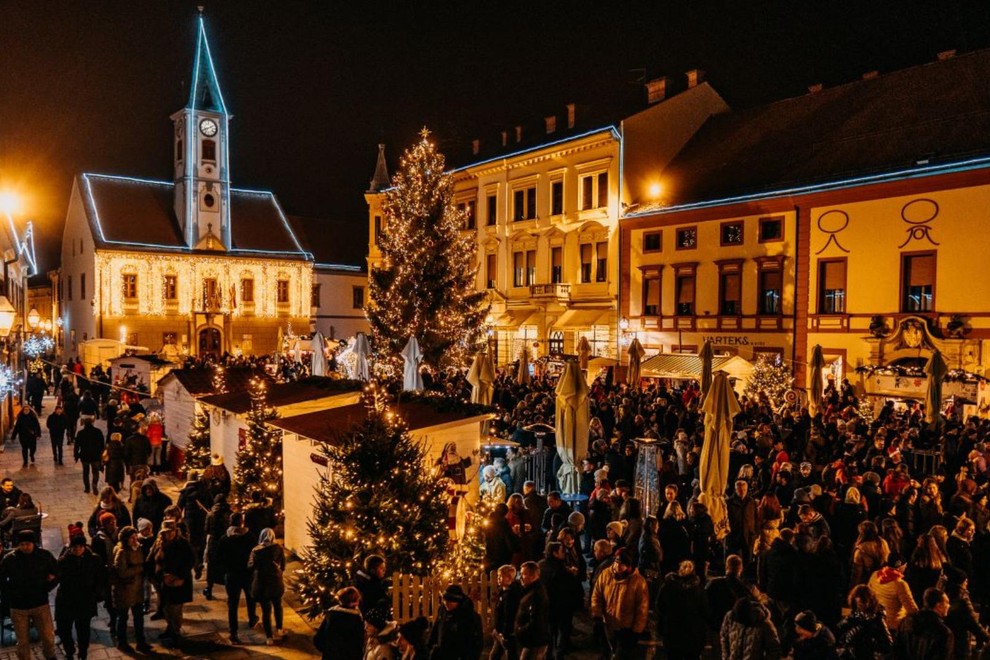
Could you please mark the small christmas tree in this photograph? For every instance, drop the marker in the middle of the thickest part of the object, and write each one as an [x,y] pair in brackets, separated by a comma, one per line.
[378,496]
[466,556]
[197,452]
[259,461]
[770,381]
[425,283]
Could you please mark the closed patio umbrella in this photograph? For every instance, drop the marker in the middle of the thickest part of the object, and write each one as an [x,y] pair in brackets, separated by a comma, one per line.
[363,352]
[584,352]
[482,378]
[412,381]
[817,365]
[572,419]
[936,370]
[319,359]
[636,353]
[279,341]
[522,376]
[720,406]
[707,356]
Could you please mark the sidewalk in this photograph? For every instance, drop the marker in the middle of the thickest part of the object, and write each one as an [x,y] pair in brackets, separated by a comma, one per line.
[58,491]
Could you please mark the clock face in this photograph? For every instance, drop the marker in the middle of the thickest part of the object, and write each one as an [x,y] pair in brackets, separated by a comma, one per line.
[208,127]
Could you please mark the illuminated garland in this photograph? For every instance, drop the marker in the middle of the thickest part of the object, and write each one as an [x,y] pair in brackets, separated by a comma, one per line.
[952,376]
[259,461]
[37,345]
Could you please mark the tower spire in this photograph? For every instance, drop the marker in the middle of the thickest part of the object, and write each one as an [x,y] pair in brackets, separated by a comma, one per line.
[204,92]
[380,180]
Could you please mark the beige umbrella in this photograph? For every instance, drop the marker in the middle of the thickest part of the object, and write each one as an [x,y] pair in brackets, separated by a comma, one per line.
[572,420]
[522,376]
[936,370]
[707,356]
[720,406]
[412,380]
[584,352]
[481,375]
[815,391]
[279,341]
[636,353]
[363,352]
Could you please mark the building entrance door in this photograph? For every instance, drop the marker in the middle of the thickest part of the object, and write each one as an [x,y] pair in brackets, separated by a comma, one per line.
[210,341]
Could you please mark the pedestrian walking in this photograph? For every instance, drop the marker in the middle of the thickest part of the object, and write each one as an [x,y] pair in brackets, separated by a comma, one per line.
[137,450]
[682,613]
[57,423]
[217,522]
[27,429]
[621,600]
[113,463]
[267,563]
[27,574]
[235,550]
[532,625]
[174,563]
[504,615]
[127,589]
[456,632]
[341,634]
[89,449]
[923,635]
[82,584]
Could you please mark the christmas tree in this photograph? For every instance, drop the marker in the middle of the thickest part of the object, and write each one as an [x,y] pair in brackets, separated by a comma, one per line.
[259,461]
[425,284]
[197,452]
[466,556]
[770,381]
[378,496]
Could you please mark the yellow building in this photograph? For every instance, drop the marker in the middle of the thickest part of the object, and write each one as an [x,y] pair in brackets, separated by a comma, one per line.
[849,217]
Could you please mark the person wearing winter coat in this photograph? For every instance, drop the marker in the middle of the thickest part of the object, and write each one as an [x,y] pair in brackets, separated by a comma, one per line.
[217,522]
[778,569]
[194,500]
[174,563]
[381,634]
[371,582]
[500,542]
[492,488]
[863,635]
[741,513]
[114,464]
[923,635]
[724,591]
[56,424]
[650,555]
[89,450]
[814,641]
[27,428]
[341,634]
[682,613]
[532,624]
[27,574]
[962,618]
[565,593]
[267,563]
[504,614]
[235,548]
[620,598]
[411,641]
[137,450]
[893,593]
[82,584]
[127,588]
[109,502]
[748,634]
[456,632]
[151,504]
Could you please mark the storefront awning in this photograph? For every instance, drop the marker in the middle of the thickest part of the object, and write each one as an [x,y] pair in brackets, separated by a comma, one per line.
[577,319]
[514,318]
[685,366]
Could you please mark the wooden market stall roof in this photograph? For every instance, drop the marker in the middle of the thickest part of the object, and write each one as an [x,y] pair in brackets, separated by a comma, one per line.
[285,394]
[685,366]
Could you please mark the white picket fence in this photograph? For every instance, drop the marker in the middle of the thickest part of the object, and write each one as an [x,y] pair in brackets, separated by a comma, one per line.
[414,596]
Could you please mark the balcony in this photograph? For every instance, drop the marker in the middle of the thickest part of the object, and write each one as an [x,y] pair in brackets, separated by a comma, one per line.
[560,292]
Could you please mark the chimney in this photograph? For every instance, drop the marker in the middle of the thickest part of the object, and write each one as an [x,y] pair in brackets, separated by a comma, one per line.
[946,55]
[870,75]
[570,115]
[518,133]
[475,146]
[656,90]
[505,138]
[814,89]
[694,76]
[551,122]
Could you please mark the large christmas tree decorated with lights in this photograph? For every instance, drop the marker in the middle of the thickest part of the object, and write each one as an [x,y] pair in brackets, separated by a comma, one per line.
[377,496]
[770,381]
[196,455]
[425,284]
[259,461]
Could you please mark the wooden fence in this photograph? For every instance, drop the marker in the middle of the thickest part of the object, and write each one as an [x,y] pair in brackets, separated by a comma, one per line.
[414,596]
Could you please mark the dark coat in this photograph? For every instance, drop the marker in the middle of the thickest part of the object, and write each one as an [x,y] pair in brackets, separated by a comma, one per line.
[864,636]
[923,636]
[723,592]
[742,520]
[194,500]
[682,614]
[456,634]
[24,578]
[151,504]
[780,571]
[27,428]
[562,588]
[821,646]
[82,583]
[114,467]
[963,620]
[373,590]
[137,449]
[504,609]
[500,543]
[650,556]
[532,625]
[177,558]
[56,424]
[268,563]
[960,555]
[341,635]
[234,553]
[119,512]
[675,541]
[748,634]
[89,445]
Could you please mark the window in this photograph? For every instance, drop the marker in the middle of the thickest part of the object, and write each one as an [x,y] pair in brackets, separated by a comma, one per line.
[730,299]
[357,297]
[492,210]
[586,263]
[601,267]
[282,292]
[491,270]
[651,294]
[170,286]
[556,265]
[770,287]
[732,233]
[130,285]
[378,231]
[314,296]
[524,204]
[467,208]
[832,287]
[211,294]
[247,290]
[685,294]
[556,198]
[594,191]
[68,285]
[652,241]
[771,230]
[686,239]
[209,150]
[530,267]
[82,286]
[918,277]
[178,149]
[518,269]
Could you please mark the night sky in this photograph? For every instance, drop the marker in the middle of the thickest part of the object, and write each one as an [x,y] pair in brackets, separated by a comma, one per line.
[314,86]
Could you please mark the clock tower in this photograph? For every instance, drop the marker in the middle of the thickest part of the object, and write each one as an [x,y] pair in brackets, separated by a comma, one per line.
[201,156]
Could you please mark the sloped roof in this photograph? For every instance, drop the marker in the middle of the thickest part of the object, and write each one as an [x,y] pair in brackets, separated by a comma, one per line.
[327,425]
[200,381]
[340,244]
[138,214]
[685,365]
[285,394]
[934,113]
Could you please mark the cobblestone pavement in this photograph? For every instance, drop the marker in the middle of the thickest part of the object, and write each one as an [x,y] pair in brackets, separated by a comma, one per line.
[59,492]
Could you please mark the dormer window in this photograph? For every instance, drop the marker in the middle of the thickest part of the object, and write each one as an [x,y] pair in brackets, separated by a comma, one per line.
[209,150]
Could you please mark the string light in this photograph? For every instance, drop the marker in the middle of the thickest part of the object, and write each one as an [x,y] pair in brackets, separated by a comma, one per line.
[259,461]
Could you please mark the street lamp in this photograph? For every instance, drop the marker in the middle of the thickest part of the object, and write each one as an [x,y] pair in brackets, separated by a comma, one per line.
[33,319]
[7,316]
